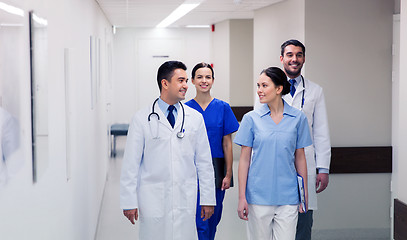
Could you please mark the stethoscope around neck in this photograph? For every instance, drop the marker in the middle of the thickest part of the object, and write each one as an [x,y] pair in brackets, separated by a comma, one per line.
[181,132]
[303,93]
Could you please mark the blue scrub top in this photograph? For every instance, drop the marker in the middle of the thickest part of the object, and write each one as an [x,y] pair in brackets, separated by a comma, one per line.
[219,121]
[272,177]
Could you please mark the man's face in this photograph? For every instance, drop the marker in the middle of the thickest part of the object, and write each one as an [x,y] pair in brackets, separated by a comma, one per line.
[292,60]
[177,87]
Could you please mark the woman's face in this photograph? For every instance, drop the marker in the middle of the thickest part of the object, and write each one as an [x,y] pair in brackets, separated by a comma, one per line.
[203,80]
[266,90]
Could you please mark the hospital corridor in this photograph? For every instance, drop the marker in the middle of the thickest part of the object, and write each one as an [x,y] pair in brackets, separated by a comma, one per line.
[113,225]
[73,74]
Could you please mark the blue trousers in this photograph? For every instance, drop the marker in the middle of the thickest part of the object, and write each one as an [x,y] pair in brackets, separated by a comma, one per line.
[207,229]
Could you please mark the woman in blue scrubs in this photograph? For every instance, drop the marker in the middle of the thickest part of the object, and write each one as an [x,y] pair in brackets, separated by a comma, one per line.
[220,123]
[272,138]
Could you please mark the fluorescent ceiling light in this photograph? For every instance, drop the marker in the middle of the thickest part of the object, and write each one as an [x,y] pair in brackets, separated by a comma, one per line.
[11,9]
[178,13]
[197,26]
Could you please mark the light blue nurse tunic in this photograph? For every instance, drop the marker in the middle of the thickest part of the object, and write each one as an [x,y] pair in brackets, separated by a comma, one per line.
[272,177]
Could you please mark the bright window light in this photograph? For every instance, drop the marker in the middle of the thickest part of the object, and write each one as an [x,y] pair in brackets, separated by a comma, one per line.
[197,26]
[11,9]
[178,13]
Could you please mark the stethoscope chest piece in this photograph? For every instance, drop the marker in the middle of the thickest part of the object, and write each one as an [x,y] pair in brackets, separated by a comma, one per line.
[180,135]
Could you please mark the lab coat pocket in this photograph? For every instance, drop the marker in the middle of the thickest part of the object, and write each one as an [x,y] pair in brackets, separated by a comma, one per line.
[151,200]
[186,195]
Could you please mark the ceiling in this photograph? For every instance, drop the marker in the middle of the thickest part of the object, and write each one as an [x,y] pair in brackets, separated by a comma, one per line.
[148,13]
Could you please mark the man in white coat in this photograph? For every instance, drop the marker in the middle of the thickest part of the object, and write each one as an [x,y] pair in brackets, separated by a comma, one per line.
[167,153]
[308,97]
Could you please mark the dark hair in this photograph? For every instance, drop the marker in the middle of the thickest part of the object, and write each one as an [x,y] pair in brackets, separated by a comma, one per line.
[166,71]
[292,42]
[202,65]
[278,77]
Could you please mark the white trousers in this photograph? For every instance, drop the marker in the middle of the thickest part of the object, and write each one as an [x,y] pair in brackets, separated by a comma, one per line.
[272,222]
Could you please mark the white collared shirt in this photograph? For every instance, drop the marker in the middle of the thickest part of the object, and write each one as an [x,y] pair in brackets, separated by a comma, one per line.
[164,108]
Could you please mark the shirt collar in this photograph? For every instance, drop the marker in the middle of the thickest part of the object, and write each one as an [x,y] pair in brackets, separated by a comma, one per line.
[164,106]
[264,110]
[289,110]
[298,80]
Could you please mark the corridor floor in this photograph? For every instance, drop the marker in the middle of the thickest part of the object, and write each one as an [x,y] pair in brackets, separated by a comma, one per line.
[113,225]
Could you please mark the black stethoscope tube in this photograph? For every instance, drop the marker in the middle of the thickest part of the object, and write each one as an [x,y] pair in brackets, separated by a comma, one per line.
[303,92]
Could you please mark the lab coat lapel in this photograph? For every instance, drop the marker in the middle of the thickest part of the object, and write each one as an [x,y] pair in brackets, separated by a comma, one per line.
[163,120]
[300,88]
[296,100]
[178,121]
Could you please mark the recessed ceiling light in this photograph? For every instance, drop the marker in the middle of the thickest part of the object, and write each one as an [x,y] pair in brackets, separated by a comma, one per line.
[11,9]
[178,13]
[197,26]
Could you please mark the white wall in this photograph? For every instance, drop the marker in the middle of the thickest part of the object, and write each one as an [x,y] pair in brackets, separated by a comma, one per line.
[397,6]
[348,44]
[346,54]
[221,60]
[54,208]
[232,54]
[351,49]
[129,71]
[272,26]
[395,110]
[401,178]
[241,62]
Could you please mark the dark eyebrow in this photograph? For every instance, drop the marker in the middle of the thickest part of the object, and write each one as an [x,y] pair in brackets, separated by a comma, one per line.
[293,53]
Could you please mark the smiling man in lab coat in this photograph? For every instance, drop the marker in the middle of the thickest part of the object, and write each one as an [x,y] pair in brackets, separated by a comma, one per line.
[161,167]
[309,98]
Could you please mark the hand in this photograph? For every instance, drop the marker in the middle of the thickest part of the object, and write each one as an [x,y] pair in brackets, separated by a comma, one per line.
[300,208]
[243,209]
[131,214]
[206,212]
[322,182]
[226,183]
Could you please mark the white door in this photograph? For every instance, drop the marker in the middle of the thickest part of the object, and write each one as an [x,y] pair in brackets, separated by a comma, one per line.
[151,53]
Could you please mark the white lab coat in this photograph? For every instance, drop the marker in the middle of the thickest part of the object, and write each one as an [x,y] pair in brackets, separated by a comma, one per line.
[159,176]
[317,155]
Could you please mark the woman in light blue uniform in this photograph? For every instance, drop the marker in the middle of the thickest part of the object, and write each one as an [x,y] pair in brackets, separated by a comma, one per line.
[220,123]
[272,138]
